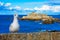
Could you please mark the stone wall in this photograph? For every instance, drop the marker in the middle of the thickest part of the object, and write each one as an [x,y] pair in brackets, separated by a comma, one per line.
[31,36]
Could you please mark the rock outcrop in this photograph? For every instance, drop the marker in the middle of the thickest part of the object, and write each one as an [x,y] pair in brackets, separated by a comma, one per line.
[35,16]
[56,20]
[45,18]
[48,22]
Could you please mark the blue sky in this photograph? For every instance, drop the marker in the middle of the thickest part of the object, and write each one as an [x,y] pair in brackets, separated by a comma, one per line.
[12,1]
[23,7]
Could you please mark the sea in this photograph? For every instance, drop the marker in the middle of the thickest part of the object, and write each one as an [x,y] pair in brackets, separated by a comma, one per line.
[27,26]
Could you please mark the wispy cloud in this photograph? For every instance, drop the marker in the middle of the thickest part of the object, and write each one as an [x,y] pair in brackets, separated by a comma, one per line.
[10,8]
[50,8]
[56,9]
[41,8]
[7,4]
[27,9]
[17,7]
[1,3]
[44,7]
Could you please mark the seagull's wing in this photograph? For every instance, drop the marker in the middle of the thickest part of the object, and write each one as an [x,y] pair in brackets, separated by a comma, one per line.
[10,27]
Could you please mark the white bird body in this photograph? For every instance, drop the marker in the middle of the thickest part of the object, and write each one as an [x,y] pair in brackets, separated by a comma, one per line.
[14,27]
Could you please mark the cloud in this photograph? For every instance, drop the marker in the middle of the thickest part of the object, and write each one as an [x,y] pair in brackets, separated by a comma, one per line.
[56,9]
[1,3]
[10,8]
[42,8]
[28,9]
[7,4]
[17,7]
[48,8]
[36,8]
[45,7]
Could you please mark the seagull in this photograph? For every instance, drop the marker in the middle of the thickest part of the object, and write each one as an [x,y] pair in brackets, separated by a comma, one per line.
[14,27]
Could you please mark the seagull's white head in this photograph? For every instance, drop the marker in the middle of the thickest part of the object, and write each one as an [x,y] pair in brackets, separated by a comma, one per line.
[16,15]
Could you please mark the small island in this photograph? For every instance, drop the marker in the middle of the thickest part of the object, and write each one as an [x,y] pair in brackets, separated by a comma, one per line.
[38,16]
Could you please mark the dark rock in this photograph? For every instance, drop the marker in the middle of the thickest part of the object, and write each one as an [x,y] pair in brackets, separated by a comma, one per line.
[57,20]
[48,22]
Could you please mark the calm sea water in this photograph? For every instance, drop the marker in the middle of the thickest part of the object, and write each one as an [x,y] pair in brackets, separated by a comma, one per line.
[27,26]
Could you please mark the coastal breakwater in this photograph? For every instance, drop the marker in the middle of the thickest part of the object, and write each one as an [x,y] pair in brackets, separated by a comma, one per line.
[31,36]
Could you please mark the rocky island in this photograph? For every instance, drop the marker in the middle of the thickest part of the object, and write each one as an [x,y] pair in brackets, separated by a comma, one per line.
[45,18]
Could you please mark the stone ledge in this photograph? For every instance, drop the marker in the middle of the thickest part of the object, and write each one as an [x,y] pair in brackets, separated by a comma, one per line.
[31,36]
